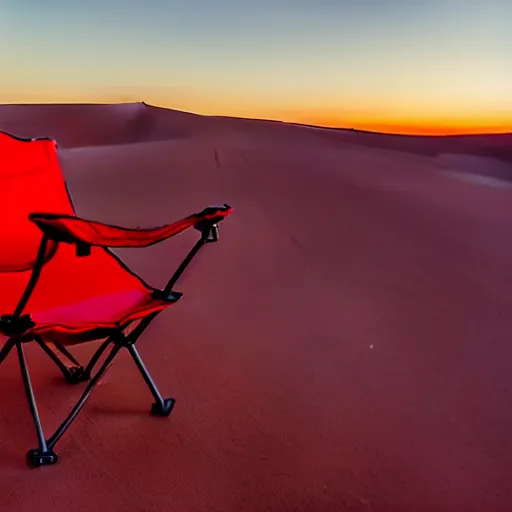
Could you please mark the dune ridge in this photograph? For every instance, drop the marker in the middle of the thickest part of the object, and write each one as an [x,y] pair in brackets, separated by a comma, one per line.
[79,125]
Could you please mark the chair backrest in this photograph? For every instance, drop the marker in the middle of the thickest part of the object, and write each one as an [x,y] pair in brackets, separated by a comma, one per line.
[30,181]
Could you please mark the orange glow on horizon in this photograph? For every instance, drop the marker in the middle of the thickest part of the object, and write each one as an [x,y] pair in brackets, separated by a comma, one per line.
[442,128]
[454,126]
[381,122]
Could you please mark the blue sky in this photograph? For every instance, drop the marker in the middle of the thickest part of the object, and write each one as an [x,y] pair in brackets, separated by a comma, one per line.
[397,63]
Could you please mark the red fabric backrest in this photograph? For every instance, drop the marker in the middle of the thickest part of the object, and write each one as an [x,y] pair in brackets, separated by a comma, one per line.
[30,180]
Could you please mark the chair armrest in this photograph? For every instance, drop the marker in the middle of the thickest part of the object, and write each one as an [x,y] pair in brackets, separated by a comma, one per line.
[69,229]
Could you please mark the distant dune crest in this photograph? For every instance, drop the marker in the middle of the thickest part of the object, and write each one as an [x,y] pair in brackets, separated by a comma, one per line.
[79,125]
[84,125]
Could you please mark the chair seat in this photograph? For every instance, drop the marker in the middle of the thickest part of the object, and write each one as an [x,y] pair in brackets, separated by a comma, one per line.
[79,299]
[85,320]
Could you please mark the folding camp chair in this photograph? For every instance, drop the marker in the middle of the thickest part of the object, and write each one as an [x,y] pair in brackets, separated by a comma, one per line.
[61,285]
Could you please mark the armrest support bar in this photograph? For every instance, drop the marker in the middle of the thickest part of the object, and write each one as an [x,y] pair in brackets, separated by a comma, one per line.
[184,264]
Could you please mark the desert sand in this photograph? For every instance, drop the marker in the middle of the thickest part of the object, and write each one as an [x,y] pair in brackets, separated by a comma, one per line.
[346,346]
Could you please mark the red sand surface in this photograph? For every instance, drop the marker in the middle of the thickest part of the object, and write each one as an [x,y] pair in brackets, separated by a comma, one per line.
[345,347]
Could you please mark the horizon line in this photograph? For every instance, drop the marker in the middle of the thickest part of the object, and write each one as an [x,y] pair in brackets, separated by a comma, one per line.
[265,119]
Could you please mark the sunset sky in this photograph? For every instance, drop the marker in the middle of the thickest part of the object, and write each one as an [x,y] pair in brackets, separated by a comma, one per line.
[405,66]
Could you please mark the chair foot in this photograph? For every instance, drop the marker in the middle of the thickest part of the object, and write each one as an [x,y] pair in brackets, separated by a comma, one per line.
[37,458]
[163,408]
[76,375]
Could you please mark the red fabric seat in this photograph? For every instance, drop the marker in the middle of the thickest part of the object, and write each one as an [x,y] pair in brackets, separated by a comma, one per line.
[76,295]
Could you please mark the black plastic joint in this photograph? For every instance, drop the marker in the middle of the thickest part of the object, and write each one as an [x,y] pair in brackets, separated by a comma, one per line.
[163,408]
[37,458]
[213,235]
[210,226]
[209,229]
[163,295]
[83,249]
[76,374]
[11,325]
[120,340]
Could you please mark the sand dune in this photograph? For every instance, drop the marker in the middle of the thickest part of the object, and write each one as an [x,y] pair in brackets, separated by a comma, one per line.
[76,125]
[97,125]
[344,347]
[498,146]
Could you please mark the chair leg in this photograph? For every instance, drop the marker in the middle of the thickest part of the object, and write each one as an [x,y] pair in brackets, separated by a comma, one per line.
[83,399]
[6,349]
[65,352]
[43,455]
[95,358]
[161,406]
[71,369]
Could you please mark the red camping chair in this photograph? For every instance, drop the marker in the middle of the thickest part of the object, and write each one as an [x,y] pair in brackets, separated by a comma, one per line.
[60,284]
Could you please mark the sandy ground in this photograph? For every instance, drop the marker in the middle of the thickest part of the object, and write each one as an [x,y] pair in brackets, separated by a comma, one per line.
[345,347]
